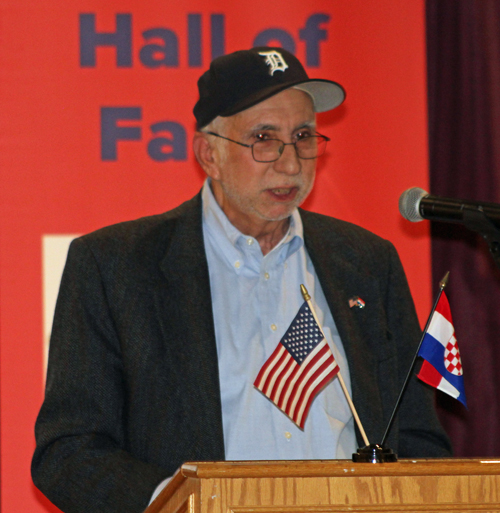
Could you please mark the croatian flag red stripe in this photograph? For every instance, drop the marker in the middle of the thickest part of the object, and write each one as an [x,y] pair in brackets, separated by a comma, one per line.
[300,366]
[442,366]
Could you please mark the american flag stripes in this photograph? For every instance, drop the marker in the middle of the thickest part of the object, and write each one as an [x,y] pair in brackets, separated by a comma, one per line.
[299,368]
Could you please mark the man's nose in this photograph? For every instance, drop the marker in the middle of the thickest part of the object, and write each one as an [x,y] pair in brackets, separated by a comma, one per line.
[289,162]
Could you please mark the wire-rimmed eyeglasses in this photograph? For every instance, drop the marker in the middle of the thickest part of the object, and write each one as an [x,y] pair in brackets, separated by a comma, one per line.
[270,150]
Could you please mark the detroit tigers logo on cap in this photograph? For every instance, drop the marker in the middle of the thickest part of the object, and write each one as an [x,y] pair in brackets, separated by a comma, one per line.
[275,61]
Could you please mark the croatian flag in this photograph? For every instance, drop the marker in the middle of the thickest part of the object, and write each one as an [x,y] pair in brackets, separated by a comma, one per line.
[442,367]
[299,368]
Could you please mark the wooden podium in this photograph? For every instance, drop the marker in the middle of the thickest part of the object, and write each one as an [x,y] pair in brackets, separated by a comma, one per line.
[431,486]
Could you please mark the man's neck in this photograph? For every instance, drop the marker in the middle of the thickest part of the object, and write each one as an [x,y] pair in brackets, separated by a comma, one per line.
[269,239]
[268,233]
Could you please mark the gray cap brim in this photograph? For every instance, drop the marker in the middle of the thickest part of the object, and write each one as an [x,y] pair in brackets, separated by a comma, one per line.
[326,95]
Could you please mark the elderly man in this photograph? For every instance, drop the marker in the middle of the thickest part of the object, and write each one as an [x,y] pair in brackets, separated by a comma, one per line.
[162,324]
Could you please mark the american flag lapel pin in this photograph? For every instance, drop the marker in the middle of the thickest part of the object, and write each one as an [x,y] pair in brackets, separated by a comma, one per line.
[356,302]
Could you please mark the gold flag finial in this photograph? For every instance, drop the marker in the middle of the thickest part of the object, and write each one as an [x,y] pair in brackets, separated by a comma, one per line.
[444,281]
[305,294]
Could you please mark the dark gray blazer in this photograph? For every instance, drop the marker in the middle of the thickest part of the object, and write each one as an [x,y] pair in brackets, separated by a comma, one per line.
[132,387]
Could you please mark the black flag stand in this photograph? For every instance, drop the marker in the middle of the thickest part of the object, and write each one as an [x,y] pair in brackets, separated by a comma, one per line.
[375,453]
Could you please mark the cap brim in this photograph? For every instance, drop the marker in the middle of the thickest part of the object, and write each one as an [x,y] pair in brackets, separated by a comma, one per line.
[326,95]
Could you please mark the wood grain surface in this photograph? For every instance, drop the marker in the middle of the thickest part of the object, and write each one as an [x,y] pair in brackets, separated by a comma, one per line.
[430,486]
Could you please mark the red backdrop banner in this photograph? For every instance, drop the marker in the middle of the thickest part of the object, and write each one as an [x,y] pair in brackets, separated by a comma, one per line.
[96,124]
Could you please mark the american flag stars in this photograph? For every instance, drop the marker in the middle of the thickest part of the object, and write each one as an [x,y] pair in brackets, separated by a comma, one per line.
[302,336]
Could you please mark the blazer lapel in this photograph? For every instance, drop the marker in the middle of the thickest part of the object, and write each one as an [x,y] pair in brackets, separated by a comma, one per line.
[187,294]
[337,266]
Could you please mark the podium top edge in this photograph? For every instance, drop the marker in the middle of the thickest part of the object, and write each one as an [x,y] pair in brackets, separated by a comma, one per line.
[337,468]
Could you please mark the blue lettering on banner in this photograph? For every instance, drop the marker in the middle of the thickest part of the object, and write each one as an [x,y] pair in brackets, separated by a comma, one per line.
[218,36]
[164,52]
[121,39]
[155,55]
[194,40]
[312,34]
[172,145]
[176,140]
[269,36]
[111,133]
[161,48]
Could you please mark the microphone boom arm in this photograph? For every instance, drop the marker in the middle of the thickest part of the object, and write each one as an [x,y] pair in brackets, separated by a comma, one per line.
[476,220]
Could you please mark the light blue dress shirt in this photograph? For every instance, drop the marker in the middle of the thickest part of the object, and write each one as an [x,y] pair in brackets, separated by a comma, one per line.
[255,298]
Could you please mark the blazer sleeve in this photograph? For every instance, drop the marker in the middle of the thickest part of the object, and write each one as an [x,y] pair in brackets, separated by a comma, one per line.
[81,463]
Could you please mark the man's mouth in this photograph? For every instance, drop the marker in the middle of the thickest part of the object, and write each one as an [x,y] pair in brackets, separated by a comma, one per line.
[283,193]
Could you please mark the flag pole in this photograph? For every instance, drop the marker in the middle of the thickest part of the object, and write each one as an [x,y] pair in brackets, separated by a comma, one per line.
[307,299]
[442,285]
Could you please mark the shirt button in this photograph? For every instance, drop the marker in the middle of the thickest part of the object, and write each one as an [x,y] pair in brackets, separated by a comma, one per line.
[286,265]
[237,264]
[288,435]
[273,327]
[249,241]
[266,276]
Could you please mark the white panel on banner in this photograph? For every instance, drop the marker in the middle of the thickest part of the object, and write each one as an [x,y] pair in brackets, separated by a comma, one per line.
[54,253]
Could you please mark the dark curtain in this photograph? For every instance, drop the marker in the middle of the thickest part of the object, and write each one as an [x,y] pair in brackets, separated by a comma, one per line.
[463,46]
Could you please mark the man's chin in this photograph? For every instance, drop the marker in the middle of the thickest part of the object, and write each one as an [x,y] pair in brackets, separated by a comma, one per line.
[279,211]
[278,214]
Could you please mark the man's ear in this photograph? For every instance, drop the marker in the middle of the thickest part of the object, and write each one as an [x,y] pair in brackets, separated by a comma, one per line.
[206,155]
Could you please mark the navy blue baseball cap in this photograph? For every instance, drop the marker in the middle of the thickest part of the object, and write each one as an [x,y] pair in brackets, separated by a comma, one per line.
[239,80]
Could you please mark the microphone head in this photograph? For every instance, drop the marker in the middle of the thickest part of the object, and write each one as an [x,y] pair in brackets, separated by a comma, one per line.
[409,203]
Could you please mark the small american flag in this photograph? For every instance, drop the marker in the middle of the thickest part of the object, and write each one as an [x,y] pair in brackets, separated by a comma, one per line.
[299,368]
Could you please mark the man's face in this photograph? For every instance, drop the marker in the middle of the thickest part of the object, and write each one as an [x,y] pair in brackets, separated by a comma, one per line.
[252,193]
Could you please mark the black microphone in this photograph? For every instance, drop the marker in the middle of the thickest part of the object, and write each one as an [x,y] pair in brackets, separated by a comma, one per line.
[415,204]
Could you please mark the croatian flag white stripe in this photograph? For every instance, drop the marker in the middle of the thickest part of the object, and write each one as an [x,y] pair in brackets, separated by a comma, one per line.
[441,328]
[448,388]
